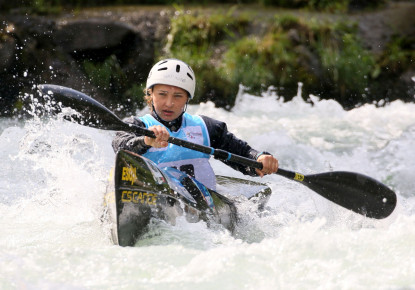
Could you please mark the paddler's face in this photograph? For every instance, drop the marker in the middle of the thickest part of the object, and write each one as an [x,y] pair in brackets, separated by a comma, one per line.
[169,101]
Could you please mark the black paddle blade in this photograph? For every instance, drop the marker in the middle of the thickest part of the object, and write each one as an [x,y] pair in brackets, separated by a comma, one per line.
[90,112]
[354,191]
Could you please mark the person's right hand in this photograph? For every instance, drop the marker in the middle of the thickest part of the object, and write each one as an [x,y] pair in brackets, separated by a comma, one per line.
[162,135]
[269,165]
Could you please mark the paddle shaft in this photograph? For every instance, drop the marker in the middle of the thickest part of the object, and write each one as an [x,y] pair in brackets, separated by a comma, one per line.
[216,153]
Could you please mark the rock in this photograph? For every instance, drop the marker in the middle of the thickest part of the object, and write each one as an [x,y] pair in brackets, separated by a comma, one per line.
[376,28]
[92,34]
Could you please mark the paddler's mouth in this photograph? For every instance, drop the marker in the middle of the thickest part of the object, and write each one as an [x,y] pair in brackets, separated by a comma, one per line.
[167,114]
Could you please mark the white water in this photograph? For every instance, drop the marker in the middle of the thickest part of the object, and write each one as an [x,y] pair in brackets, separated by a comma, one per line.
[54,173]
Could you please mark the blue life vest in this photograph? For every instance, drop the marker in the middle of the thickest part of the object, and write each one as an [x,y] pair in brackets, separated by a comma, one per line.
[192,162]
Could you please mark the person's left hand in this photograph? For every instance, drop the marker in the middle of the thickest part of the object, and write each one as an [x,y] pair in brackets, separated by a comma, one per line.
[269,165]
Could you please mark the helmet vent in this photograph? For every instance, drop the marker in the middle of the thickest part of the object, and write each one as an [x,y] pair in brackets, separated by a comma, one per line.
[190,76]
[163,68]
[177,68]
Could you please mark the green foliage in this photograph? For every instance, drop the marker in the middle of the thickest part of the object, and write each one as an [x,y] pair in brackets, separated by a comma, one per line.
[285,22]
[347,66]
[398,55]
[327,57]
[197,40]
[244,64]
[282,58]
[201,31]
[45,7]
[109,76]
[260,63]
[329,5]
[226,48]
[104,74]
[396,60]
[210,84]
[133,96]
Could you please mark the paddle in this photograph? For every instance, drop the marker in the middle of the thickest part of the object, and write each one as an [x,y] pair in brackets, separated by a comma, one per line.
[354,191]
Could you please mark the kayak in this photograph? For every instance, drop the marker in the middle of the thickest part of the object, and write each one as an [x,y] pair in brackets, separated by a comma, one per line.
[140,191]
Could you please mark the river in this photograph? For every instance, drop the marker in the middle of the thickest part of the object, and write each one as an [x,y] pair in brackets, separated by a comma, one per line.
[54,174]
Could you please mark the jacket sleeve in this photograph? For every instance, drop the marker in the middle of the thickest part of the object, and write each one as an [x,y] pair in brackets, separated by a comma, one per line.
[221,138]
[130,141]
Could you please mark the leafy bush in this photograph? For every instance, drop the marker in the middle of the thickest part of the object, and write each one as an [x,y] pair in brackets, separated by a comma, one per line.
[347,66]
[109,76]
[399,54]
[260,63]
[197,40]
[326,57]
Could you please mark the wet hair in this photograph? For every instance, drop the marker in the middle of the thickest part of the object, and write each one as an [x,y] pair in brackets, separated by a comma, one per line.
[148,98]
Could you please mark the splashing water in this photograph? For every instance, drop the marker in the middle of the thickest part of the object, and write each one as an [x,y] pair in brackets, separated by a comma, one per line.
[54,174]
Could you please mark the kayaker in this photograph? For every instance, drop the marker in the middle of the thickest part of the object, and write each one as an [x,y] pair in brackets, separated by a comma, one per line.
[170,86]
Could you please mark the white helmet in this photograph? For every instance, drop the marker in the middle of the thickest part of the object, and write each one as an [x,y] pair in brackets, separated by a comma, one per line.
[173,72]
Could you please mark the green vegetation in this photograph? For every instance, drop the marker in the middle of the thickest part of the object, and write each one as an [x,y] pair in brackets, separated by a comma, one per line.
[346,65]
[398,55]
[228,47]
[327,58]
[198,40]
[108,75]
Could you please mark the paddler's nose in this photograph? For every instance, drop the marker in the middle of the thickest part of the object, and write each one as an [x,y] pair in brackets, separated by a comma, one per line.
[170,101]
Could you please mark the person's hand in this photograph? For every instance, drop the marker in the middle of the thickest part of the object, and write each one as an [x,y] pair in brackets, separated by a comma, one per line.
[269,165]
[162,135]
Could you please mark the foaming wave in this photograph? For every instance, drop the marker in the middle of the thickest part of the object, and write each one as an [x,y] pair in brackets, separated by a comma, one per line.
[55,175]
[320,136]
